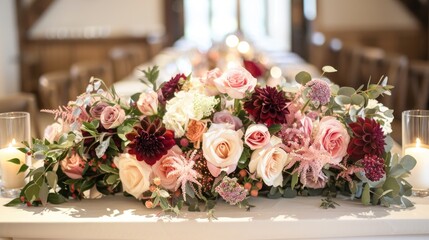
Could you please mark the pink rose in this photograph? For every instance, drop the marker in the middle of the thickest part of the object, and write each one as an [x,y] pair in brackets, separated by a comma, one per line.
[226,117]
[332,136]
[163,168]
[236,82]
[222,148]
[257,136]
[208,81]
[97,109]
[73,166]
[112,117]
[148,103]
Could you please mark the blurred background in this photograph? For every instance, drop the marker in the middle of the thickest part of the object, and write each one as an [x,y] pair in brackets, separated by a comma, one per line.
[48,46]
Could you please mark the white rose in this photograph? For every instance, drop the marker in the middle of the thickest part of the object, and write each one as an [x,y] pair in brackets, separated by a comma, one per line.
[222,148]
[268,162]
[54,131]
[134,175]
[178,112]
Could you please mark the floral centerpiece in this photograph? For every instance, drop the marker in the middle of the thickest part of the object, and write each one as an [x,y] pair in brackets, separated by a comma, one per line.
[192,141]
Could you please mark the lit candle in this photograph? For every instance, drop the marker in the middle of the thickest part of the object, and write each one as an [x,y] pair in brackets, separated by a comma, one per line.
[419,177]
[10,178]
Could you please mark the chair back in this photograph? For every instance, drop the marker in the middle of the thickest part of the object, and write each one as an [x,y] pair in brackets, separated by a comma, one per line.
[54,89]
[82,72]
[23,102]
[125,58]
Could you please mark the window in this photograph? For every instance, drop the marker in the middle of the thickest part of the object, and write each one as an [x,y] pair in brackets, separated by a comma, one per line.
[266,23]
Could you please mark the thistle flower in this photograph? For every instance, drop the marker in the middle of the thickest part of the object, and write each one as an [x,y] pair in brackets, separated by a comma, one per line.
[267,105]
[231,191]
[150,141]
[318,92]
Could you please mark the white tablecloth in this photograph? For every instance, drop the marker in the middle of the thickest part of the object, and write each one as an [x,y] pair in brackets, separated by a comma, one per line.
[118,217]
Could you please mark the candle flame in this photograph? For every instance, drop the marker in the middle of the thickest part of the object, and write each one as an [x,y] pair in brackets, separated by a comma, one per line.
[418,142]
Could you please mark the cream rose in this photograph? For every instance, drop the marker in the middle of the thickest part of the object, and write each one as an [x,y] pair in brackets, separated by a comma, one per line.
[236,82]
[148,103]
[268,162]
[333,137]
[54,131]
[222,148]
[163,167]
[134,175]
[257,136]
[112,117]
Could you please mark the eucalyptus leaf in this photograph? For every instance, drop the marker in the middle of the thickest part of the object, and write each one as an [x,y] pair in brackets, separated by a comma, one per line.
[366,195]
[357,99]
[408,162]
[407,203]
[329,69]
[303,77]
[346,91]
[289,193]
[342,100]
[392,184]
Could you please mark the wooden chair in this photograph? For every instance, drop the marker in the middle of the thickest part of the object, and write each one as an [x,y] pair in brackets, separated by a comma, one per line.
[82,72]
[54,89]
[125,59]
[23,102]
[366,64]
[155,45]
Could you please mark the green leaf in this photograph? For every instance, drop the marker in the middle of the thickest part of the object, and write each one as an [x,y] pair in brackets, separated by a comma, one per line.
[274,193]
[397,171]
[346,91]
[52,179]
[294,180]
[108,169]
[31,193]
[244,160]
[111,179]
[23,168]
[366,195]
[43,193]
[407,203]
[14,202]
[164,194]
[15,161]
[56,198]
[303,77]
[273,129]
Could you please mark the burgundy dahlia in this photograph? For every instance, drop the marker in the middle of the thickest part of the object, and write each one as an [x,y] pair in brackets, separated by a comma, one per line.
[267,105]
[373,167]
[173,85]
[150,141]
[367,139]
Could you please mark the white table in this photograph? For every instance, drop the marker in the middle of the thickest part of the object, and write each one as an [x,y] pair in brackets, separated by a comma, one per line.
[118,217]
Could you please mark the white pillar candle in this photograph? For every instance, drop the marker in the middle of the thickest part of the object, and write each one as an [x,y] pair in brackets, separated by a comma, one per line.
[419,177]
[10,178]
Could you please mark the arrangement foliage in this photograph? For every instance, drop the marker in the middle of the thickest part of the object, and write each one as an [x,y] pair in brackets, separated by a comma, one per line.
[192,141]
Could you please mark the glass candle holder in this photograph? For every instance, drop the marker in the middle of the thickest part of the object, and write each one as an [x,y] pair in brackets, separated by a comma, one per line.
[14,129]
[415,142]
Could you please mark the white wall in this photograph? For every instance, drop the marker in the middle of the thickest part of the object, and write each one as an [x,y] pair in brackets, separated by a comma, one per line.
[100,18]
[9,76]
[364,15]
